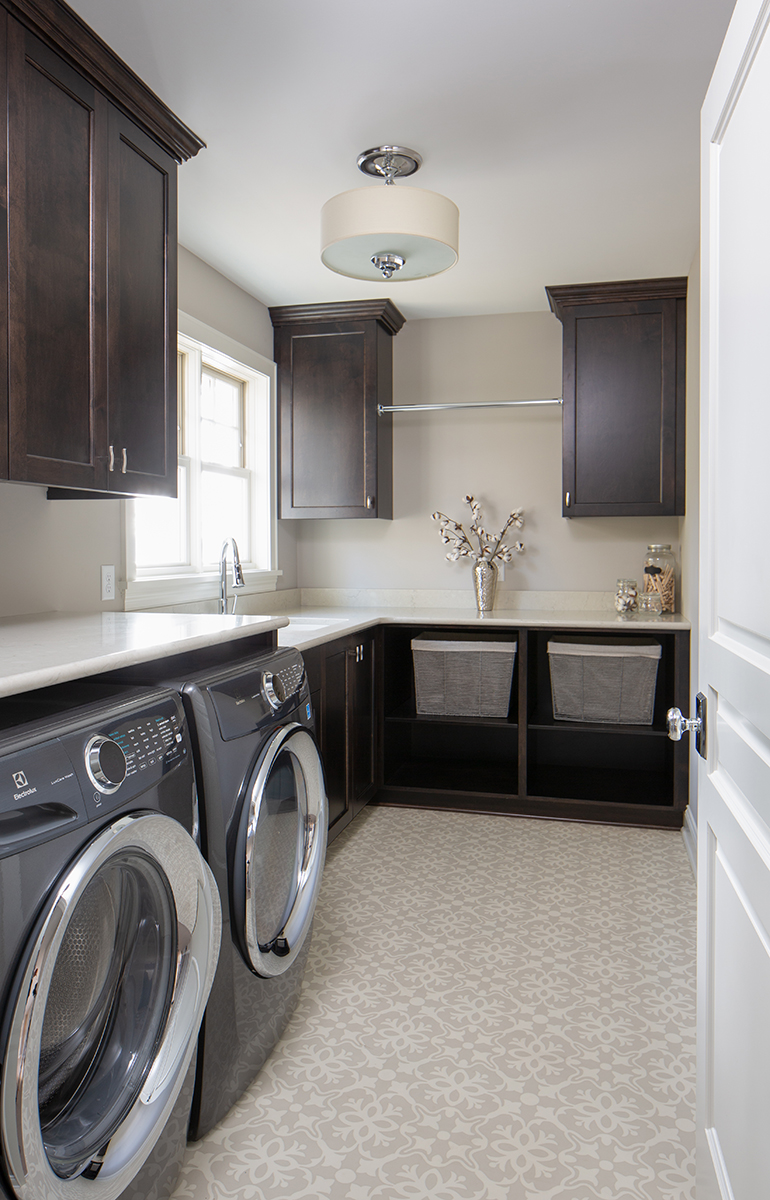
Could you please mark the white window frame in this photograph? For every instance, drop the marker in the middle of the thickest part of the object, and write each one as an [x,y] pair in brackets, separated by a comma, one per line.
[160,587]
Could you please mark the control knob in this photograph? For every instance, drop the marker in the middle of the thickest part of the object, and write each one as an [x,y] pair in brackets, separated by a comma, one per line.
[105,764]
[273,690]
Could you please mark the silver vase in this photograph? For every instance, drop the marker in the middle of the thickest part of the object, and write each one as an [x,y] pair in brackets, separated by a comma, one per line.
[485,583]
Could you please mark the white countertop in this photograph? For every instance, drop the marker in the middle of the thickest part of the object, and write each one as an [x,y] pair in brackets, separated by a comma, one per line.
[315,626]
[49,648]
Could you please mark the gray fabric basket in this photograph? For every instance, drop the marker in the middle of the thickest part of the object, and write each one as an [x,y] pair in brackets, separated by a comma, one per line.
[462,679]
[603,680]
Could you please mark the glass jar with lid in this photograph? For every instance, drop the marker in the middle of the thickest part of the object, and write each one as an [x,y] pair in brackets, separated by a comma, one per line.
[660,574]
[625,596]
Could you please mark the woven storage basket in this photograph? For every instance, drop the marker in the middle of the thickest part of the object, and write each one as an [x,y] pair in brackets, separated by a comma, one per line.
[603,680]
[462,679]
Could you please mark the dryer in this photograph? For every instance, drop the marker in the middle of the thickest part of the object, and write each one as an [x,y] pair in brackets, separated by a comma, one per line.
[109,931]
[264,821]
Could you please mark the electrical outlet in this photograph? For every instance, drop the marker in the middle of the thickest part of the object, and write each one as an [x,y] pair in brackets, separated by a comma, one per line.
[108,583]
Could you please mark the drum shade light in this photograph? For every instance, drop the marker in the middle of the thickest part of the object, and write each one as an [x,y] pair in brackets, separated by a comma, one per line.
[389,233]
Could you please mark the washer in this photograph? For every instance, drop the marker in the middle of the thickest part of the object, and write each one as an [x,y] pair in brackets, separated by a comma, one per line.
[264,819]
[109,930]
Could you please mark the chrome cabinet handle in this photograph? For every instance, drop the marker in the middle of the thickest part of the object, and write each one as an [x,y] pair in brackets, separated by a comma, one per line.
[567,500]
[112,458]
[370,502]
[124,468]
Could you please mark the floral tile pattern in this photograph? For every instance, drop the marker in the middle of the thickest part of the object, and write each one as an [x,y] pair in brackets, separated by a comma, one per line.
[493,1009]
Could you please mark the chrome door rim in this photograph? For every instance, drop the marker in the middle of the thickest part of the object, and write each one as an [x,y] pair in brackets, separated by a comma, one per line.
[199,924]
[295,739]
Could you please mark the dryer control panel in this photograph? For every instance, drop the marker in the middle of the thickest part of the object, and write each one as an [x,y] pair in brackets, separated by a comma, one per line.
[253,697]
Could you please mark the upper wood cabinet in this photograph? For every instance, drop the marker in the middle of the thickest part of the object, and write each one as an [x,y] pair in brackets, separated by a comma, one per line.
[624,397]
[91,235]
[335,365]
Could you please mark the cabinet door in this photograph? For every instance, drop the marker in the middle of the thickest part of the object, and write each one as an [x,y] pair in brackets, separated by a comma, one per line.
[623,423]
[334,738]
[361,720]
[335,451]
[57,268]
[142,324]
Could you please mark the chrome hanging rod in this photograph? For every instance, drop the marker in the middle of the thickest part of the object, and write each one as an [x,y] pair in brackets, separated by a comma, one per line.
[389,408]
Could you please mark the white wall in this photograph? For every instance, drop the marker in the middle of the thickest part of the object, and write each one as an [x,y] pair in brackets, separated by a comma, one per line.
[52,551]
[505,457]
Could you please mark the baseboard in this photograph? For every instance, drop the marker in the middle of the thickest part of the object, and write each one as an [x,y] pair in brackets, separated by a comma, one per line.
[690,835]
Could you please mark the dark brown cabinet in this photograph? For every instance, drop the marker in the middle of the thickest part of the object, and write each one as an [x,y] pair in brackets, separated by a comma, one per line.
[335,366]
[343,678]
[527,763]
[624,350]
[91,235]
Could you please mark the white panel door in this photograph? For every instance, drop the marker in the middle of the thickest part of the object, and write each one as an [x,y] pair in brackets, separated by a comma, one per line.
[734,643]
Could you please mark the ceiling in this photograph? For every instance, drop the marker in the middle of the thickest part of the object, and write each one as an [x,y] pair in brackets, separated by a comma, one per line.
[566,131]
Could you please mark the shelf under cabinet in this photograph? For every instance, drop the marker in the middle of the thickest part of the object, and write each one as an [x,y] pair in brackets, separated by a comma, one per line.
[544,720]
[407,712]
[495,779]
[600,785]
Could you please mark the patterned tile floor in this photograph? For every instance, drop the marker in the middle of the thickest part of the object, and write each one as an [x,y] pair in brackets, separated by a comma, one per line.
[494,1009]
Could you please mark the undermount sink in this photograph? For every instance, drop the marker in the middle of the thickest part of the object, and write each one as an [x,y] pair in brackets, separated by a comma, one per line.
[310,623]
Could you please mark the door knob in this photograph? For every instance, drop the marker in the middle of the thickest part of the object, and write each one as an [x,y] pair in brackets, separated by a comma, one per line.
[677,724]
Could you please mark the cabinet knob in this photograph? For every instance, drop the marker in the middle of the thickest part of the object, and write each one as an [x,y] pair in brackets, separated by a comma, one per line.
[370,502]
[124,468]
[567,500]
[112,458]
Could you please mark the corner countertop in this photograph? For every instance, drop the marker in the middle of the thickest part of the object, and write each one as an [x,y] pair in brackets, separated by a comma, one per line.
[47,648]
[315,626]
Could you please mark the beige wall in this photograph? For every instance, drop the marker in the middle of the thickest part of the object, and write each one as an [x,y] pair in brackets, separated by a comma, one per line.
[52,551]
[207,295]
[505,457]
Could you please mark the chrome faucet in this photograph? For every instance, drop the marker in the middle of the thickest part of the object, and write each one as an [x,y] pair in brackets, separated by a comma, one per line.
[238,580]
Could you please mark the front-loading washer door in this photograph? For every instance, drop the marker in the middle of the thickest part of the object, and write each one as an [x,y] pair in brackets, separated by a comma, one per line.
[110,998]
[280,850]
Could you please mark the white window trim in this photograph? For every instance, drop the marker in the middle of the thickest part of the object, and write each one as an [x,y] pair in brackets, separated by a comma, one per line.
[167,588]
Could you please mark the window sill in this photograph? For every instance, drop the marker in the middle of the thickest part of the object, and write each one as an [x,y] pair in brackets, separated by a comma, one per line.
[162,591]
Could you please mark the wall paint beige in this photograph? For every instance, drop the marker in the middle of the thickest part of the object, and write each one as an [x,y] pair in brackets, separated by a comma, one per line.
[505,457]
[209,296]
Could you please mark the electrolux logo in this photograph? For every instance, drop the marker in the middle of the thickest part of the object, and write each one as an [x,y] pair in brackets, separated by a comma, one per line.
[20,779]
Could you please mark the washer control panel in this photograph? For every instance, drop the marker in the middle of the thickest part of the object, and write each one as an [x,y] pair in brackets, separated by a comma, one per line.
[105,763]
[120,760]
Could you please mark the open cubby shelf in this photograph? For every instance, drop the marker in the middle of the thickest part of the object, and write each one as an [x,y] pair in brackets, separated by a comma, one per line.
[528,763]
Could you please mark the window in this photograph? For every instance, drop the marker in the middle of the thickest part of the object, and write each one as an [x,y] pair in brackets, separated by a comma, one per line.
[224,482]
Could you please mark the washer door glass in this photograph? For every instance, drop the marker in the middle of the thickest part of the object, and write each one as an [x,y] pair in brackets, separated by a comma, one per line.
[281,849]
[109,1000]
[107,1008]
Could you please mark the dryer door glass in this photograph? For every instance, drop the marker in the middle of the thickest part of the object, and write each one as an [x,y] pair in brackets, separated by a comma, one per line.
[280,850]
[278,847]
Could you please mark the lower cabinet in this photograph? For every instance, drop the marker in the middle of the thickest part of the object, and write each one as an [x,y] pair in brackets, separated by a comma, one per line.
[376,746]
[343,677]
[526,762]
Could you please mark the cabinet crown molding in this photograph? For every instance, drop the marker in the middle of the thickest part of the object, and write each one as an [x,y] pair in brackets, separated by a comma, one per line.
[62,29]
[616,292]
[383,311]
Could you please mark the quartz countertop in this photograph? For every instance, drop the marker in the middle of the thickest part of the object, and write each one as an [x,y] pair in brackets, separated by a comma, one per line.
[315,626]
[48,648]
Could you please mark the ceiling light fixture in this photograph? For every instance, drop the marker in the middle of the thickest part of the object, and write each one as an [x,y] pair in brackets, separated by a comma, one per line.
[388,232]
